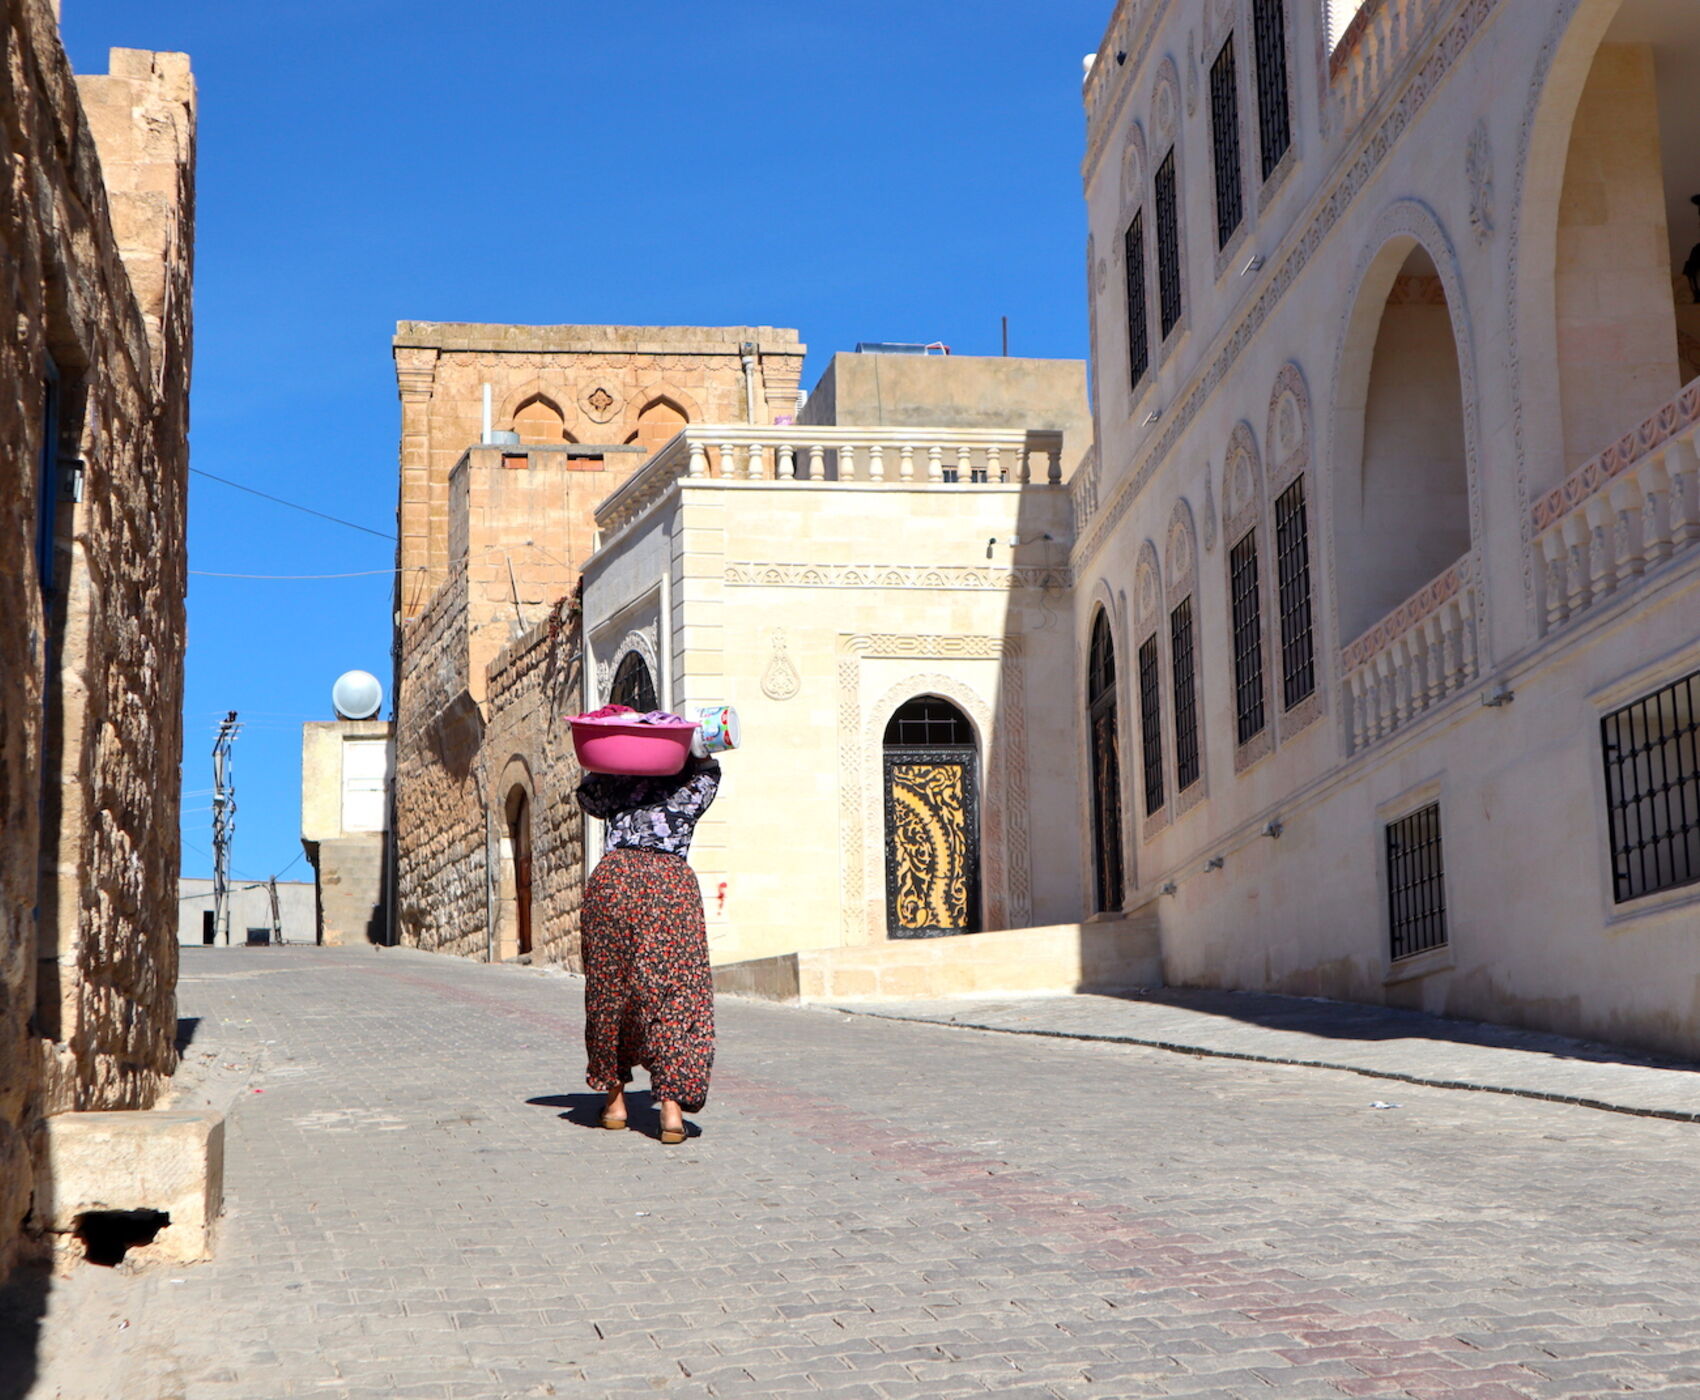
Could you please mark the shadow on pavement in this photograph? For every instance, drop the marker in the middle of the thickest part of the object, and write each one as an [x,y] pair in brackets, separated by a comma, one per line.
[1341,1020]
[23,1303]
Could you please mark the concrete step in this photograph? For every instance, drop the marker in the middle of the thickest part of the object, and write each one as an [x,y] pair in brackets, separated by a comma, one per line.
[1113,955]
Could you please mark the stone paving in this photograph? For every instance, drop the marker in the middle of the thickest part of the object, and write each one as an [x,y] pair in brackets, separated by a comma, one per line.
[419,1206]
[1377,1041]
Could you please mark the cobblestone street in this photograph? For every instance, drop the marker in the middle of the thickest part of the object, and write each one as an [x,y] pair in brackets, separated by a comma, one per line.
[419,1205]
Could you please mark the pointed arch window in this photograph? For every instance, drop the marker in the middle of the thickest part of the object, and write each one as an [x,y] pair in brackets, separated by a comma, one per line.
[1101,717]
[1247,603]
[1183,661]
[1166,201]
[1274,121]
[1225,143]
[1151,724]
[1138,332]
[633,685]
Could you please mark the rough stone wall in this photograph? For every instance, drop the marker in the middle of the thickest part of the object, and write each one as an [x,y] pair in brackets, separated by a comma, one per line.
[442,886]
[96,221]
[533,685]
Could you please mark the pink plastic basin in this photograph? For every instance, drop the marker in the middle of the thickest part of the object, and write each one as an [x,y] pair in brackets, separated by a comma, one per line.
[635,750]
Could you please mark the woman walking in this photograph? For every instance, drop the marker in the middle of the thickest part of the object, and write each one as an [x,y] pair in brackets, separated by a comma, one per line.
[648,992]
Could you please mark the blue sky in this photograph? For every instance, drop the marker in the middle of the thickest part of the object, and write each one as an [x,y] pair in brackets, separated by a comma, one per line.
[885,170]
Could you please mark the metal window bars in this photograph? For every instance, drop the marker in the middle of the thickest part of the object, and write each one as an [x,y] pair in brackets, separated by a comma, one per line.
[1151,725]
[1292,575]
[1182,660]
[1225,143]
[1416,884]
[1138,331]
[1652,768]
[1274,119]
[1247,603]
[1166,199]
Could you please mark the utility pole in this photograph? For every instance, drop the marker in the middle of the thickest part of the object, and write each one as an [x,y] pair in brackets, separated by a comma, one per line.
[224,821]
[277,918]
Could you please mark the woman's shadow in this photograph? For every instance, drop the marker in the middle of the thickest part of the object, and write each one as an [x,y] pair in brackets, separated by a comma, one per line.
[585,1110]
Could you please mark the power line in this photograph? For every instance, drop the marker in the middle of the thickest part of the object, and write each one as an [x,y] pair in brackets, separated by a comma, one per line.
[359,573]
[335,520]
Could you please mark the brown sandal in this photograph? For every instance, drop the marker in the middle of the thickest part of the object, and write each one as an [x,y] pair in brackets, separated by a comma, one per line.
[672,1136]
[614,1124]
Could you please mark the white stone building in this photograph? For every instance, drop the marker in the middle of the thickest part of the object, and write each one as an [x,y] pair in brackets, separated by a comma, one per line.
[1389,548]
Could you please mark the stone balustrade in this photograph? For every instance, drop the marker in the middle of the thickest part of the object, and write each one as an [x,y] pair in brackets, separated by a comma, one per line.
[1620,514]
[946,458]
[1415,657]
[1371,41]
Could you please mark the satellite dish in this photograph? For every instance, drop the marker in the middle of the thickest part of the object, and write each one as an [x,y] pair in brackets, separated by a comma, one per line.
[357,695]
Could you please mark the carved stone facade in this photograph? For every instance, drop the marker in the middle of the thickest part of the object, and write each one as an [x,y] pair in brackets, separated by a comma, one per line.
[94,359]
[1449,477]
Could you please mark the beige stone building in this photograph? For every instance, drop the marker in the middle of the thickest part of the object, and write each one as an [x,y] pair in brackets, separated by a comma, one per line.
[1386,576]
[347,767]
[94,364]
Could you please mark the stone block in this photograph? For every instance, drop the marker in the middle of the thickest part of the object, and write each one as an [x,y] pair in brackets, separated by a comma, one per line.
[144,1160]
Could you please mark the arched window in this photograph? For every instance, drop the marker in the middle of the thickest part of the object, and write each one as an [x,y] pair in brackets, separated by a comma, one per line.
[1106,767]
[1403,517]
[658,420]
[540,423]
[932,821]
[633,685]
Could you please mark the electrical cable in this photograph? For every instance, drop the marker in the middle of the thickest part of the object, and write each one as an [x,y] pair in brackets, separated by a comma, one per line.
[335,520]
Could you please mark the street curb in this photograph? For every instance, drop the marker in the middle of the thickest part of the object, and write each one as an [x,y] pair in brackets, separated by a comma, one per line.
[1206,1052]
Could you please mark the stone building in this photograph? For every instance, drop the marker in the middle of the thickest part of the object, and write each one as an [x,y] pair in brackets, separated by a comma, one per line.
[882,591]
[346,771]
[511,435]
[94,365]
[1386,574]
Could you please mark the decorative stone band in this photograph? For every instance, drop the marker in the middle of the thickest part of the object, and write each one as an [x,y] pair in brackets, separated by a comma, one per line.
[1621,513]
[921,457]
[1415,657]
[756,574]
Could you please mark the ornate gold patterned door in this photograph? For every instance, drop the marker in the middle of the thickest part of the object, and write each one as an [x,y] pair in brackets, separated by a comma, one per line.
[932,842]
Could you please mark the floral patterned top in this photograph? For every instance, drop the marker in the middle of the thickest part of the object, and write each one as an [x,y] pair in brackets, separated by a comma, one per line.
[652,814]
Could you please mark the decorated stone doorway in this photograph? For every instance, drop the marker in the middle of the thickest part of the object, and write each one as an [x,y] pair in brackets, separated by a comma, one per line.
[519,834]
[932,821]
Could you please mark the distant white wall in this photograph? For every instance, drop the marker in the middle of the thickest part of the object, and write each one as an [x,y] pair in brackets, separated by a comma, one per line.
[250,908]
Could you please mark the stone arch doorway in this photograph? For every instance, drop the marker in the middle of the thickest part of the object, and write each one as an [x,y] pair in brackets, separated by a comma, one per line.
[1402,483]
[518,816]
[932,821]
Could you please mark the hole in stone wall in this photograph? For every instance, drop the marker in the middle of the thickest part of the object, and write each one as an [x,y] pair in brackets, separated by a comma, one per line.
[108,1235]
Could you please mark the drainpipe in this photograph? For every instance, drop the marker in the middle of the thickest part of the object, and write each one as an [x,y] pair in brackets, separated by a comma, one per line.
[666,630]
[747,353]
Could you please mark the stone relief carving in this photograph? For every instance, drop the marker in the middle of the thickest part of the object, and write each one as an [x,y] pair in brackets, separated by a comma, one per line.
[780,680]
[1478,170]
[1180,552]
[1301,247]
[599,405]
[1147,588]
[1242,494]
[1133,168]
[1289,426]
[1165,104]
[1191,72]
[751,573]
[1209,511]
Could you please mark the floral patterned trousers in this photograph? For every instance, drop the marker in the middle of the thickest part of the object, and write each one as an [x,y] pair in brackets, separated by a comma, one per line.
[648,992]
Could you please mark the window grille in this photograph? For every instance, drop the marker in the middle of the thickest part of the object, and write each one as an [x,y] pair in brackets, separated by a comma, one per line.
[633,685]
[1292,575]
[1106,767]
[1225,139]
[1138,333]
[1416,883]
[1166,198]
[1181,657]
[929,723]
[1248,636]
[1652,758]
[1274,123]
[1151,725]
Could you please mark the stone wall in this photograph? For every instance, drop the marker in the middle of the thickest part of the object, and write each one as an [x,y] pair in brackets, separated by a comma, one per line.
[528,746]
[442,889]
[97,224]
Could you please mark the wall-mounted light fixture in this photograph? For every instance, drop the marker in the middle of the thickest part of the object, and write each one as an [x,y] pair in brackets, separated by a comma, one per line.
[1153,416]
[1498,694]
[1273,828]
[1215,863]
[1253,264]
[1168,888]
